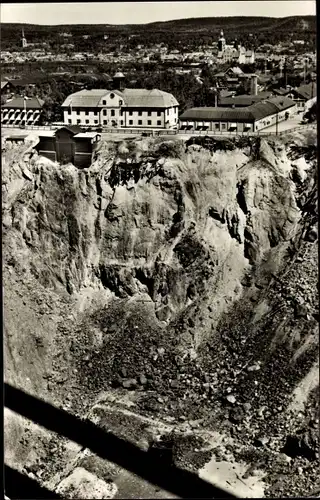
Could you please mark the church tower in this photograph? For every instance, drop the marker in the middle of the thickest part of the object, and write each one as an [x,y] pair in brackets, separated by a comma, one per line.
[23,39]
[221,42]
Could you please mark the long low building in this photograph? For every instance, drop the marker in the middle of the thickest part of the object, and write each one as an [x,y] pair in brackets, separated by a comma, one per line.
[127,108]
[251,118]
[21,111]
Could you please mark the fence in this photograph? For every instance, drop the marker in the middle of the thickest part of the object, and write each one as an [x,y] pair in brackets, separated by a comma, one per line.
[157,132]
[211,133]
[30,127]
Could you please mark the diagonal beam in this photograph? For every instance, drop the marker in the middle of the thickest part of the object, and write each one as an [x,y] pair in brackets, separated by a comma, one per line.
[180,482]
[20,486]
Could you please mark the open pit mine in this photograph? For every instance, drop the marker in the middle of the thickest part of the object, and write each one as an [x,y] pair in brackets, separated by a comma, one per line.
[161,320]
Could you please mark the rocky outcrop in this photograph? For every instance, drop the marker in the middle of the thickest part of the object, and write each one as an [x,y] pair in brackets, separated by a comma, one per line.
[138,222]
[180,273]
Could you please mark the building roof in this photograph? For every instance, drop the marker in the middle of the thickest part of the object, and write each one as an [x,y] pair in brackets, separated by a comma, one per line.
[235,70]
[244,100]
[18,103]
[75,129]
[133,98]
[248,75]
[225,93]
[249,113]
[16,137]
[86,135]
[47,133]
[306,91]
[3,84]
[119,75]
[281,91]
[217,114]
[85,98]
[136,98]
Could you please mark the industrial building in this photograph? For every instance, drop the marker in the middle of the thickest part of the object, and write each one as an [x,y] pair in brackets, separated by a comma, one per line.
[247,119]
[121,107]
[304,96]
[242,101]
[21,111]
[68,144]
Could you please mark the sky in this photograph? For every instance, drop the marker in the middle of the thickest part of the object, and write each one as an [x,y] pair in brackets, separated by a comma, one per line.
[145,12]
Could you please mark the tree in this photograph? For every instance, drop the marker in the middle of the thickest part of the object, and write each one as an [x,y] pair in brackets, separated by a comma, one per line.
[311,115]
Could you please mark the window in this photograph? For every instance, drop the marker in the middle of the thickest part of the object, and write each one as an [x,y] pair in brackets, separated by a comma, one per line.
[223,126]
[121,122]
[69,121]
[159,113]
[96,121]
[139,122]
[105,122]
[87,121]
[130,122]
[87,112]
[159,122]
[120,102]
[78,122]
[111,96]
[149,113]
[78,112]
[130,113]
[104,112]
[216,126]
[149,122]
[104,102]
[121,113]
[112,112]
[139,113]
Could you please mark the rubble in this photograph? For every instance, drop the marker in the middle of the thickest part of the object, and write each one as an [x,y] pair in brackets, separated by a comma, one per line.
[146,294]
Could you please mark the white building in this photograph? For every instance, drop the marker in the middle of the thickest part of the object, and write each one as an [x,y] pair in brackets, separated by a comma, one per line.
[229,53]
[247,119]
[127,108]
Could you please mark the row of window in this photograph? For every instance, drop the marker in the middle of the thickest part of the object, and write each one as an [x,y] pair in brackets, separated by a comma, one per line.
[104,112]
[121,122]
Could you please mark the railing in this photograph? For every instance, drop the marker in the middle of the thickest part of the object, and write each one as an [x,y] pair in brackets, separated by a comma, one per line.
[29,127]
[159,132]
[151,468]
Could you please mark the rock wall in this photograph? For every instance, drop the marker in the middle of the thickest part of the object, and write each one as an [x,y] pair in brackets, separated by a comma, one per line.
[182,272]
[136,222]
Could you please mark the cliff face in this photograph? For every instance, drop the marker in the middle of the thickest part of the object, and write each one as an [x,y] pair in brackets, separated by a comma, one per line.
[161,258]
[138,223]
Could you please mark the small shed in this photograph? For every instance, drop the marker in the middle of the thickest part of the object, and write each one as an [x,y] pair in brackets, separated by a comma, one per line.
[68,144]
[85,145]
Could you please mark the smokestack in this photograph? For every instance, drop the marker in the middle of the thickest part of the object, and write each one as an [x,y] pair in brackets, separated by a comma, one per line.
[254,85]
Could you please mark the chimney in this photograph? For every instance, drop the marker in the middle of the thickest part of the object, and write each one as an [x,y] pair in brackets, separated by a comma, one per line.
[254,85]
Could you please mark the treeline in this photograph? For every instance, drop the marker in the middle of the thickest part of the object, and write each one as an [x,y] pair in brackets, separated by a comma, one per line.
[190,33]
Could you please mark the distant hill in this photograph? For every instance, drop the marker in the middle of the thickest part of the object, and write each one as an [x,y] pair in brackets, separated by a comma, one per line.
[241,24]
[254,24]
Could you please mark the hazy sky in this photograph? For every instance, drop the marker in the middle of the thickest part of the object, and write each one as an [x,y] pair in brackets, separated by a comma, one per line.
[144,12]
